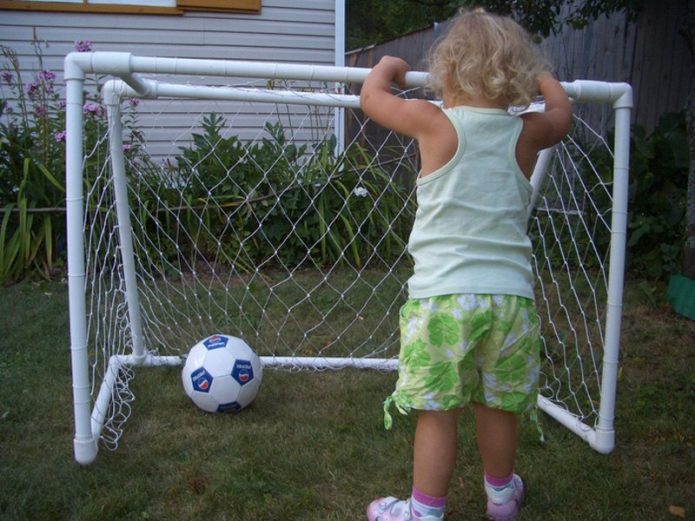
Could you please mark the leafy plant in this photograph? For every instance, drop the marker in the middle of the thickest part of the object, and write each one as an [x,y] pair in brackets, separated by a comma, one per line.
[656,200]
[32,163]
[285,203]
[31,171]
[657,197]
[221,200]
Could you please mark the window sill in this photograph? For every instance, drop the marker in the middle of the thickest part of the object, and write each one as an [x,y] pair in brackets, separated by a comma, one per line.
[86,8]
[239,6]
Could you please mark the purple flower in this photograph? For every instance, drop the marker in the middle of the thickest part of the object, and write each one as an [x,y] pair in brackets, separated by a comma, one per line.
[40,111]
[45,76]
[134,102]
[60,136]
[7,77]
[32,88]
[93,108]
[127,147]
[83,45]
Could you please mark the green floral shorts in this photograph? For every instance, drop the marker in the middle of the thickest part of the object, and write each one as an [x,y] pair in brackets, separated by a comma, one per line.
[461,348]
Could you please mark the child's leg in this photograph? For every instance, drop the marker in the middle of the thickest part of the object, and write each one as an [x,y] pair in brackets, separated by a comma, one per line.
[434,454]
[496,433]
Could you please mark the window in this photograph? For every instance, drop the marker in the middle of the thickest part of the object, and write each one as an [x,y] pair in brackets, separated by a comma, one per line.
[131,6]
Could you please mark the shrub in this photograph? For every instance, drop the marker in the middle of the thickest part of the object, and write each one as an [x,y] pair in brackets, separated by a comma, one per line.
[278,203]
[657,197]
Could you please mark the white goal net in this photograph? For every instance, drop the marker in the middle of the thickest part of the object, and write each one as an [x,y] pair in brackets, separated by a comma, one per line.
[256,200]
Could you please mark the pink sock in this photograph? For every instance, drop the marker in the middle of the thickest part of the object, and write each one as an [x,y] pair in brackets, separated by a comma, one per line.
[430,501]
[498,482]
[422,504]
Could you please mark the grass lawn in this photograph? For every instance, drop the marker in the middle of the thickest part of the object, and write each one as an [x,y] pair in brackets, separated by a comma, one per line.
[313,447]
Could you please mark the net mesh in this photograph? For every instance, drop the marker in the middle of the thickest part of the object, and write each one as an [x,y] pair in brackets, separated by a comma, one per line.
[263,221]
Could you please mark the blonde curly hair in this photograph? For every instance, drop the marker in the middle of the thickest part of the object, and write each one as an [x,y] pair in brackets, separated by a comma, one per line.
[489,55]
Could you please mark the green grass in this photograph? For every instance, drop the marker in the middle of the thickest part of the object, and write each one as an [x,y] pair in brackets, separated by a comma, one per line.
[312,447]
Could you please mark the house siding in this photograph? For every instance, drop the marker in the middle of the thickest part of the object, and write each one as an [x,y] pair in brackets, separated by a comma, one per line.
[302,32]
[298,32]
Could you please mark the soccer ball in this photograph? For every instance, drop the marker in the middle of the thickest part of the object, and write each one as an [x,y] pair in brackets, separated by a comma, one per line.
[222,374]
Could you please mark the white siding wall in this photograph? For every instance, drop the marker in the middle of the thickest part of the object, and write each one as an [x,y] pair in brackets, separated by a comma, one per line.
[300,31]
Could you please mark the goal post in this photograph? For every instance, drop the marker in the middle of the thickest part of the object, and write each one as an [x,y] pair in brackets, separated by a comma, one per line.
[601,435]
[272,210]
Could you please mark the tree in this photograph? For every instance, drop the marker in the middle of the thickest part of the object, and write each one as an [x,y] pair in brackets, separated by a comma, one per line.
[544,17]
[371,22]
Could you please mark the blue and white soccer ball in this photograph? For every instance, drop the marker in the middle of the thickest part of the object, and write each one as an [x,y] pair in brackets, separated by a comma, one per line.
[222,373]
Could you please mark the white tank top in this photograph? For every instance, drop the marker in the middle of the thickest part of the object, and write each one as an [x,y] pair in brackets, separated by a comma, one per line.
[469,234]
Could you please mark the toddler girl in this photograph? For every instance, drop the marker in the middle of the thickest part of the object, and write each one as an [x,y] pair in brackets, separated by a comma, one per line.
[469,331]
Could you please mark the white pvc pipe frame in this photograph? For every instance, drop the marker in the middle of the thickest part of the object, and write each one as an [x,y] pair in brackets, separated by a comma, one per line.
[89,422]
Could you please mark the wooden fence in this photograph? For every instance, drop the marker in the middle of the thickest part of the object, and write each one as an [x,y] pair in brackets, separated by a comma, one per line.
[649,53]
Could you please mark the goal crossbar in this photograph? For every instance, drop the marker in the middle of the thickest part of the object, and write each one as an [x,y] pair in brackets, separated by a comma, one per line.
[127,71]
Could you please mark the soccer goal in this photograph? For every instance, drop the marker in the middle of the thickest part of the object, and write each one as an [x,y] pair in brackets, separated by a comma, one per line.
[255,200]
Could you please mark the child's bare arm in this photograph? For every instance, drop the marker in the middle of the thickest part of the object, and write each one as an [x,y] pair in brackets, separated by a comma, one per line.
[546,129]
[558,110]
[410,117]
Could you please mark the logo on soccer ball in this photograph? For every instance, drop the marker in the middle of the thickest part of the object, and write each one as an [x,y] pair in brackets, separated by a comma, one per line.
[242,371]
[229,407]
[215,342]
[202,380]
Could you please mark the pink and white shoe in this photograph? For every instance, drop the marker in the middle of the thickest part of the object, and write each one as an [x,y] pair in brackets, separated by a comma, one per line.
[503,504]
[389,509]
[393,509]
